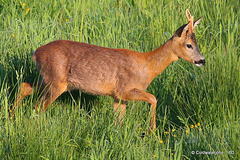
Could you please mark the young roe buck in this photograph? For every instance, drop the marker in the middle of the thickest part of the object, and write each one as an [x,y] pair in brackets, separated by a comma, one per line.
[120,73]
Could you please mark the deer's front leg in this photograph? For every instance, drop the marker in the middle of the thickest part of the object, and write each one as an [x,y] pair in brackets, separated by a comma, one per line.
[119,109]
[140,95]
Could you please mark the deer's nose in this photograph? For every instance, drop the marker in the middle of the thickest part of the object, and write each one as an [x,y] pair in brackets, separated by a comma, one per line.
[200,62]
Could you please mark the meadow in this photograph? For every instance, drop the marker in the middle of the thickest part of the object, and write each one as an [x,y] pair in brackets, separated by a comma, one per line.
[198,107]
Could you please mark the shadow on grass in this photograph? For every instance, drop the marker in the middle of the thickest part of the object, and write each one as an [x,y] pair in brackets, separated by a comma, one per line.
[85,100]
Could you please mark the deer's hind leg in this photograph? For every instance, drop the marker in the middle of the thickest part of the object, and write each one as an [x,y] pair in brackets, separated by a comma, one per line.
[24,90]
[51,93]
[54,71]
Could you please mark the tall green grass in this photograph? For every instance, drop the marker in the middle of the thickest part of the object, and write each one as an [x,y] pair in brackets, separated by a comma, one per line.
[198,108]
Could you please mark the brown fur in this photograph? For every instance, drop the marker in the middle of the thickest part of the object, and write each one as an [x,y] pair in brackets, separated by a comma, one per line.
[120,73]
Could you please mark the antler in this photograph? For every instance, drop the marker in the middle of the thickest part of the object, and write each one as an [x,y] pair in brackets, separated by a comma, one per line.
[190,19]
[188,15]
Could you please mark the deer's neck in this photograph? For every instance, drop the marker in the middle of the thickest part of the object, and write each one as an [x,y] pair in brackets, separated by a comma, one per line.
[160,58]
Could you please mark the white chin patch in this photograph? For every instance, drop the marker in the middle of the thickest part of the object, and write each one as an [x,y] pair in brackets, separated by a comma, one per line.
[198,65]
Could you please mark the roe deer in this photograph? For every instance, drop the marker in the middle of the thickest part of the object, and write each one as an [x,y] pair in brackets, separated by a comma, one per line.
[121,73]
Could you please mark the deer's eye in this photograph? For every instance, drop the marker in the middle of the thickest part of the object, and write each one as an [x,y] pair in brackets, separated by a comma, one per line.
[189,46]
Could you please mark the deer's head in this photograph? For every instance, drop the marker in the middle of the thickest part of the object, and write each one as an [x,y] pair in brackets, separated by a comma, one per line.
[185,42]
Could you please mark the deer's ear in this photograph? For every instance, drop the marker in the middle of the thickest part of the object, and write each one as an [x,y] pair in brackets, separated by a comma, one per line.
[181,30]
[196,22]
[186,28]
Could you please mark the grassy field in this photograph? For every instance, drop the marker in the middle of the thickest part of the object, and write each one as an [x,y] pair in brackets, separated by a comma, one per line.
[198,108]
